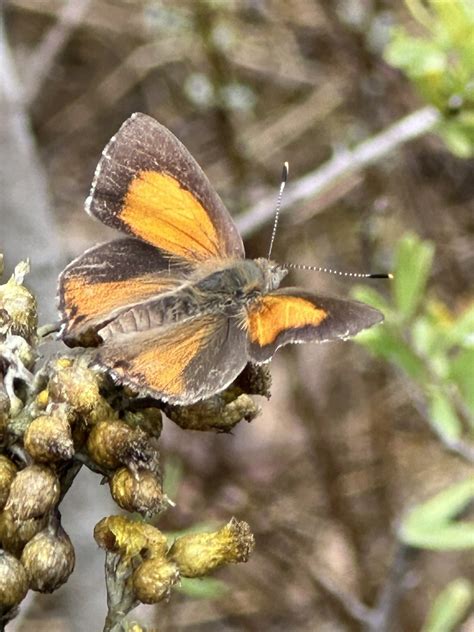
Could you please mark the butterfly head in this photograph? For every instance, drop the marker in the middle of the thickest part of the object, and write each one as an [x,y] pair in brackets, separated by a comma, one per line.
[273,273]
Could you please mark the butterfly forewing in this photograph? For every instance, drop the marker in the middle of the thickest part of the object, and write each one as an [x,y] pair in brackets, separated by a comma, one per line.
[147,184]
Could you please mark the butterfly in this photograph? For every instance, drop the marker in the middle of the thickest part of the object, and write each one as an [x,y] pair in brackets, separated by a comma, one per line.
[174,308]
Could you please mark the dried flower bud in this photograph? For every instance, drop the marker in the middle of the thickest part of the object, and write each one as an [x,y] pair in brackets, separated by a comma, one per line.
[220,412]
[8,472]
[119,534]
[19,304]
[15,534]
[197,554]
[4,410]
[13,582]
[255,379]
[105,442]
[74,384]
[48,439]
[114,443]
[33,492]
[153,580]
[48,559]
[26,355]
[141,492]
[148,419]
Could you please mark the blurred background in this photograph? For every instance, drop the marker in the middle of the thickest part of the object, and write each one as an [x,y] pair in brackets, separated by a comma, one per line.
[355,436]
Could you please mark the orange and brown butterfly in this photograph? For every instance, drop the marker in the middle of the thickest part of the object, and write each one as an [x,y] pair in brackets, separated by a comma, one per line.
[175,309]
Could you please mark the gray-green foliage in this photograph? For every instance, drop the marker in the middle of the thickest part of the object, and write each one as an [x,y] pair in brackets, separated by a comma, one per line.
[439,60]
[432,347]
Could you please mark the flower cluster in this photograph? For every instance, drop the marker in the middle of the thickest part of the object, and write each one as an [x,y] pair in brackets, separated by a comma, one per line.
[63,415]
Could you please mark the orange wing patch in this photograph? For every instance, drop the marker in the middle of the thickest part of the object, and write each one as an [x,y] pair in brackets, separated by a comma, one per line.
[276,314]
[168,216]
[86,302]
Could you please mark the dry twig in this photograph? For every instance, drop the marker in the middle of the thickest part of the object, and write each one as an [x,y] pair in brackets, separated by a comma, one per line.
[342,166]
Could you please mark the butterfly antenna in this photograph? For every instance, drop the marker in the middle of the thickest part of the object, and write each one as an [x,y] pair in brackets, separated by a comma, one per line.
[357,275]
[284,178]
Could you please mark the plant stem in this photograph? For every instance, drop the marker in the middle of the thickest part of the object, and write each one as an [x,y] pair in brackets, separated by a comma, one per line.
[343,165]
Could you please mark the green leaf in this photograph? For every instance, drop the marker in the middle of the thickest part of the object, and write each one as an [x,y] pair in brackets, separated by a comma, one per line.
[450,607]
[413,264]
[416,56]
[462,374]
[203,588]
[461,331]
[458,138]
[432,525]
[426,336]
[385,343]
[371,297]
[443,416]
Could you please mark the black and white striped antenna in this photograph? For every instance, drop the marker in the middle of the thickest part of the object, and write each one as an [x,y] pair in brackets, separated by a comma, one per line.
[300,266]
[356,275]
[284,178]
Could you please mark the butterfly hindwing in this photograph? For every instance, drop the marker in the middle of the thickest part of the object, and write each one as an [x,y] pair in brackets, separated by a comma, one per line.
[181,363]
[292,315]
[105,280]
[148,185]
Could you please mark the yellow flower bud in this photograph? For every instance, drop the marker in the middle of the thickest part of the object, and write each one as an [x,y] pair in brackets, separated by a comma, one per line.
[153,580]
[8,472]
[141,492]
[42,399]
[197,554]
[13,582]
[33,492]
[119,534]
[48,559]
[48,439]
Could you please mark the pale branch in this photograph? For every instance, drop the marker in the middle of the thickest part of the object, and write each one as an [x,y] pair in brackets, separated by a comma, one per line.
[342,165]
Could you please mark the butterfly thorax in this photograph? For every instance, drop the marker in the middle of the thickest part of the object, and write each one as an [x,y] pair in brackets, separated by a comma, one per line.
[227,290]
